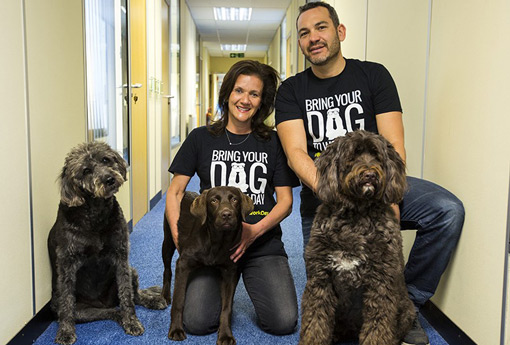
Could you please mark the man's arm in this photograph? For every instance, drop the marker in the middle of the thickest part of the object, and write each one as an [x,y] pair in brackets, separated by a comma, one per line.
[391,127]
[293,138]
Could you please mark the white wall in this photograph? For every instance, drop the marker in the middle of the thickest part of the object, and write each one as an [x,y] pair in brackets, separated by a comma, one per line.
[353,14]
[467,149]
[397,37]
[15,250]
[44,116]
[204,83]
[291,33]
[273,53]
[456,124]
[154,99]
[188,67]
[56,93]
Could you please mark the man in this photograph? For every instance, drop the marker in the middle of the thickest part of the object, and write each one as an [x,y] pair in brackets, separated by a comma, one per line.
[337,95]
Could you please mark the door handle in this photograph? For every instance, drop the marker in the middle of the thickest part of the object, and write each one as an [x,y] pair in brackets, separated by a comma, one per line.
[167,96]
[133,86]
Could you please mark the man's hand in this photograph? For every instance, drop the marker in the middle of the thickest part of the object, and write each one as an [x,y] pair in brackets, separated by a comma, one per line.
[396,209]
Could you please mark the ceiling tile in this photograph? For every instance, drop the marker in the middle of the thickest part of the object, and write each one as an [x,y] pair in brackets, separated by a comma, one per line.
[257,33]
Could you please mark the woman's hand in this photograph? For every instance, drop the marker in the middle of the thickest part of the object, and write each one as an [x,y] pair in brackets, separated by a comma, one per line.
[249,234]
[279,212]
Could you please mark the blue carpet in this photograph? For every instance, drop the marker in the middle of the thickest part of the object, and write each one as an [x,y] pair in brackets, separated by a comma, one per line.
[145,256]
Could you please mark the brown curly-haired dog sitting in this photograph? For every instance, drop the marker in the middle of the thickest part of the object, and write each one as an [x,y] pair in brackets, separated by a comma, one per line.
[89,246]
[354,259]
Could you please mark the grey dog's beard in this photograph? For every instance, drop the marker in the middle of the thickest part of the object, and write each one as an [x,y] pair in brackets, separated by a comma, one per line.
[368,190]
[102,190]
[105,192]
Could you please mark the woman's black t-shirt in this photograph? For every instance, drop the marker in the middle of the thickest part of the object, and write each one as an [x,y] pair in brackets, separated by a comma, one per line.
[249,163]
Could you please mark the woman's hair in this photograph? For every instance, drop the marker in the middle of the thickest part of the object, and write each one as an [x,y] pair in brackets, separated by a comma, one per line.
[270,79]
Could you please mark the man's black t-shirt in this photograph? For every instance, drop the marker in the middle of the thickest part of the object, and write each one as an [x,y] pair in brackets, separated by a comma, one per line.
[254,165]
[333,106]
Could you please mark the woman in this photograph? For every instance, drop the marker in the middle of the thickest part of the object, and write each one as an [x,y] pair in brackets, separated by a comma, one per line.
[241,150]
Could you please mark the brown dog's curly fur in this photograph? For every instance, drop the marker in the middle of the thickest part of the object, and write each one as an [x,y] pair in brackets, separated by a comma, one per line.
[354,259]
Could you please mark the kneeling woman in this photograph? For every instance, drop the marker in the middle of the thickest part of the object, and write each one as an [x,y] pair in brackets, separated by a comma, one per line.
[240,150]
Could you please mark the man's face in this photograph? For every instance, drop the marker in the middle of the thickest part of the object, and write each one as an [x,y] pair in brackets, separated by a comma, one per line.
[318,38]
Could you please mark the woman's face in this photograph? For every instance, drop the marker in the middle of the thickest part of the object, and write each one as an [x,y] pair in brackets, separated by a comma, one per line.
[245,99]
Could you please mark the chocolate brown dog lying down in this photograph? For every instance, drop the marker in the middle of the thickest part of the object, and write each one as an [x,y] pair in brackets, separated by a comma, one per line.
[209,226]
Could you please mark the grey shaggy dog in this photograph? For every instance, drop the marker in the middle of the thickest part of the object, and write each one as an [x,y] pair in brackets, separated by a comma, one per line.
[354,260]
[89,247]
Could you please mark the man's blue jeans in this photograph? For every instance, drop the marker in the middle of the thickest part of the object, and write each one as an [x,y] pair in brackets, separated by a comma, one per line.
[438,216]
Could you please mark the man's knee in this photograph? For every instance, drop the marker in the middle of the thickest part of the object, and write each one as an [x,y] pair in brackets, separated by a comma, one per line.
[453,213]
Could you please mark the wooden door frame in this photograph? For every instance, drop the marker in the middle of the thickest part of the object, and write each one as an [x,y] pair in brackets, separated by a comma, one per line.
[138,210]
[165,117]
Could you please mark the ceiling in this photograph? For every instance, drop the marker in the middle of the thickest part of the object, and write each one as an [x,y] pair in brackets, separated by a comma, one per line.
[257,33]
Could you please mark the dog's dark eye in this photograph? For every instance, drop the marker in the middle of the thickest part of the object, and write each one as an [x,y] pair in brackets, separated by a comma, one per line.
[86,171]
[234,200]
[106,160]
[214,201]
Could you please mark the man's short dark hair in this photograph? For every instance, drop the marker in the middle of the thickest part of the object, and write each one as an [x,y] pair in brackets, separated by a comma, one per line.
[332,12]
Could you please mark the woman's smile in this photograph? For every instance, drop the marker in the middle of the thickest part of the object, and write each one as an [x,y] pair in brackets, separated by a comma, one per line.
[244,102]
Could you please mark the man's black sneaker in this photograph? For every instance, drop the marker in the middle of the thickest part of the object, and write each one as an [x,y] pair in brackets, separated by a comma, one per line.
[416,335]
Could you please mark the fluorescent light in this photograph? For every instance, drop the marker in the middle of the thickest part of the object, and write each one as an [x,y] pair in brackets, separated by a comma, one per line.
[233,47]
[232,13]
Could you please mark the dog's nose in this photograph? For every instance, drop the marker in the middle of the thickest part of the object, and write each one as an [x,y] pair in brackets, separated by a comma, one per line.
[110,181]
[226,214]
[369,175]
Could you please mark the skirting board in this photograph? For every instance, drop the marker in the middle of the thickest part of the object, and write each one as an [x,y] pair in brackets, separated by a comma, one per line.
[444,326]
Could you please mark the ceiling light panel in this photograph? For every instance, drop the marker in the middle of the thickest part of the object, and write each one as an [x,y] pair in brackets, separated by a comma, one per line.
[232,13]
[233,47]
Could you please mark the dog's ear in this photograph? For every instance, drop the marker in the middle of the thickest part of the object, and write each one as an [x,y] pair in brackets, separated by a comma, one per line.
[199,207]
[70,193]
[396,182]
[246,205]
[328,168]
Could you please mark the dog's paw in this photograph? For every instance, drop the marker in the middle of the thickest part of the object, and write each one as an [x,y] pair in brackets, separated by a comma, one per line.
[153,290]
[160,303]
[225,340]
[176,334]
[156,302]
[132,326]
[65,336]
[151,298]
